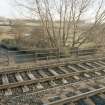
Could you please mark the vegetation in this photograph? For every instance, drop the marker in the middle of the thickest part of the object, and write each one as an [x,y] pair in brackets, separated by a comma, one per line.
[9,42]
[61,22]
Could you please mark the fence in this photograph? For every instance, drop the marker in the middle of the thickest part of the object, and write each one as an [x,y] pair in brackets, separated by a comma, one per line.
[43,54]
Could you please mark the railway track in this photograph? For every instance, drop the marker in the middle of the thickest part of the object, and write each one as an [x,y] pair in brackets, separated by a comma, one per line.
[74,92]
[41,82]
[20,82]
[71,94]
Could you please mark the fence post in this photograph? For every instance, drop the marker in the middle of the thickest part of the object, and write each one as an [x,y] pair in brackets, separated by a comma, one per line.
[11,58]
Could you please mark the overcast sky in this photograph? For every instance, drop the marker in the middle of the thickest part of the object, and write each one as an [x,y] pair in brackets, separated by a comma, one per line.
[7,9]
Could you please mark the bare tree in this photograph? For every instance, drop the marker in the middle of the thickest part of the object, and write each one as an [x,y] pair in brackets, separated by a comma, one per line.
[61,19]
